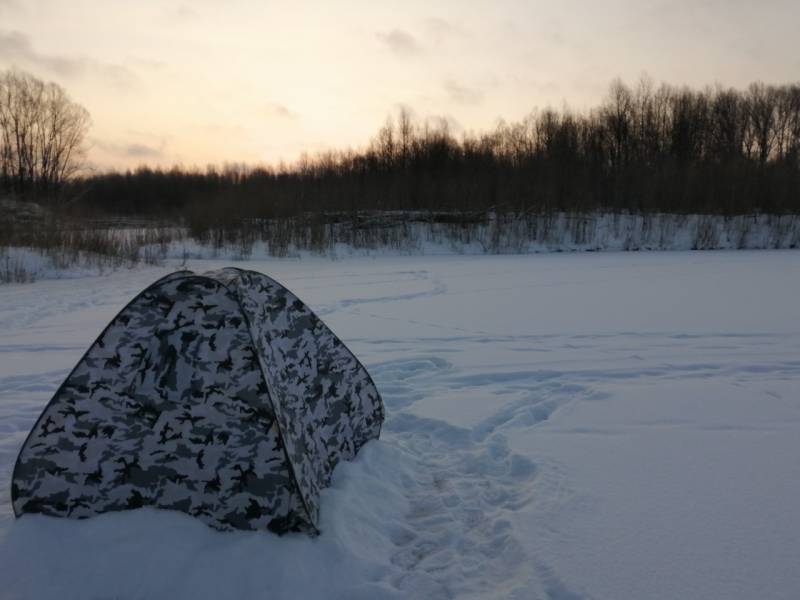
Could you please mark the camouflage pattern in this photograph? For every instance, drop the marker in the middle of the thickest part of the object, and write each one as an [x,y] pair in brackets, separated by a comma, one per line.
[222,396]
[328,405]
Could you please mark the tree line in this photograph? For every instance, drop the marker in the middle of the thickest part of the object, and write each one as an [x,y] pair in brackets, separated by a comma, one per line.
[644,148]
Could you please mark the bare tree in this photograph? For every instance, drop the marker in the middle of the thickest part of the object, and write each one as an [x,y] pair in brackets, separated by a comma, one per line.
[405,129]
[42,134]
[762,101]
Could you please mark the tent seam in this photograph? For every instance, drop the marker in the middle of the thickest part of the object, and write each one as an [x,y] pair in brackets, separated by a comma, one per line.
[358,361]
[272,403]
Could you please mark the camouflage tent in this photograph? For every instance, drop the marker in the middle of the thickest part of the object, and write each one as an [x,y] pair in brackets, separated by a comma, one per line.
[220,395]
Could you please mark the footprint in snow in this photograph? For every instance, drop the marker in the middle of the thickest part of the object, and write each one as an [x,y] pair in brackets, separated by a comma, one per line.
[458,536]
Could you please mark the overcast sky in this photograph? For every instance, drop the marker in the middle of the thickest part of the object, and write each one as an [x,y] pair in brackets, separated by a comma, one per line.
[259,81]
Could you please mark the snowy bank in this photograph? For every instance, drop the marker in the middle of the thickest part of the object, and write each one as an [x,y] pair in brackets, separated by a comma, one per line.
[392,234]
[406,234]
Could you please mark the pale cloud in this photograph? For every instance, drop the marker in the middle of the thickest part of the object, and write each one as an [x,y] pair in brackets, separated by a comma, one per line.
[181,14]
[146,63]
[131,150]
[10,6]
[280,110]
[462,94]
[440,30]
[142,151]
[400,42]
[16,49]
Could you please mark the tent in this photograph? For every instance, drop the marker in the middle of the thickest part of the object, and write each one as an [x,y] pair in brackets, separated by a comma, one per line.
[220,395]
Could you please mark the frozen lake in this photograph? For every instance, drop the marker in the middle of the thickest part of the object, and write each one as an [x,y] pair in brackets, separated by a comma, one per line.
[606,426]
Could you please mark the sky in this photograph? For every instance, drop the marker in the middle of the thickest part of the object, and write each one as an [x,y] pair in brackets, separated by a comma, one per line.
[258,82]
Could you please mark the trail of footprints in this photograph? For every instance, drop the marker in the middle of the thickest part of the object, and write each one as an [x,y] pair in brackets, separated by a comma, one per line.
[467,486]
[457,527]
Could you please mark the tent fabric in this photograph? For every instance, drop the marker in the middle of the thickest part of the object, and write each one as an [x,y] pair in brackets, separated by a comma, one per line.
[220,395]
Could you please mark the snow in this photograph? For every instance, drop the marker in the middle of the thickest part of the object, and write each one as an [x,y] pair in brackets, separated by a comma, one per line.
[559,426]
[395,233]
[403,234]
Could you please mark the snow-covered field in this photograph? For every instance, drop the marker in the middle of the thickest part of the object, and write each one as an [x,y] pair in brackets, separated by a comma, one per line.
[609,426]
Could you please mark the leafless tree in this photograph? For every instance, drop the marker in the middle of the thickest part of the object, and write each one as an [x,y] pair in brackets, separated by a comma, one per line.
[42,133]
[762,100]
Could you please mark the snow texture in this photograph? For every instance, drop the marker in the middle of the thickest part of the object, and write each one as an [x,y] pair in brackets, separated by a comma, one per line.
[562,426]
[557,232]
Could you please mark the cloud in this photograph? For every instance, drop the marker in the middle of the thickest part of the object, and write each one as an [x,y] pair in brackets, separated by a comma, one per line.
[440,29]
[181,14]
[400,42]
[10,6]
[131,150]
[142,151]
[535,85]
[146,63]
[280,110]
[16,48]
[461,94]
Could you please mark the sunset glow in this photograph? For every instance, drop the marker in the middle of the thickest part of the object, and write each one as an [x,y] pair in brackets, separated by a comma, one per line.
[255,82]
